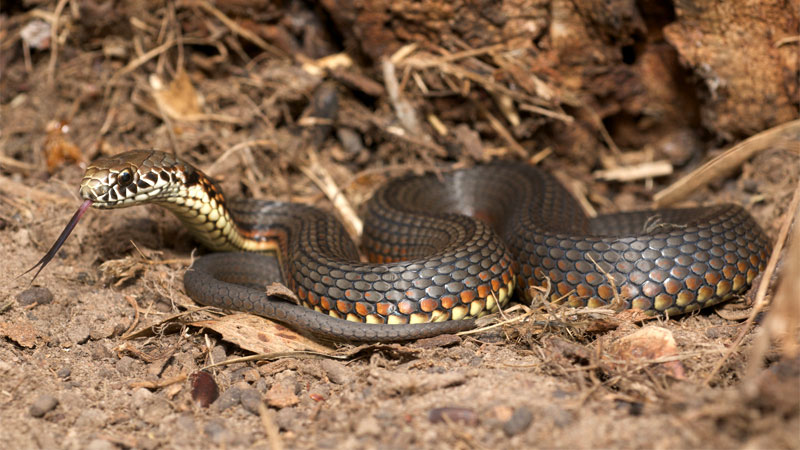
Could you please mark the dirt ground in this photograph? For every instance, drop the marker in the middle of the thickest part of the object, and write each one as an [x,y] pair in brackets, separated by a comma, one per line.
[302,101]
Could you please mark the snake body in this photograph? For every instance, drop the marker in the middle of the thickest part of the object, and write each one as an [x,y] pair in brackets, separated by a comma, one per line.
[443,250]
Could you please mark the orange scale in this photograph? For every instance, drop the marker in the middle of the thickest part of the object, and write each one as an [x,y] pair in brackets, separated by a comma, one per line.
[605,292]
[361,309]
[483,291]
[344,307]
[713,278]
[383,308]
[428,304]
[583,290]
[325,303]
[406,307]
[468,296]
[573,278]
[448,301]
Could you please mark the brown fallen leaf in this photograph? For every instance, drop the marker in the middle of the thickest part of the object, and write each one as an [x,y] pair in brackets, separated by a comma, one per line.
[179,100]
[260,335]
[204,388]
[58,148]
[23,333]
[649,344]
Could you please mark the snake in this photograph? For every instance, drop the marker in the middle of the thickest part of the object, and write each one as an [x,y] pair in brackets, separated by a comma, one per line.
[440,250]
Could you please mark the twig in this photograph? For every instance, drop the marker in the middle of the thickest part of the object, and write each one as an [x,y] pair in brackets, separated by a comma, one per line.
[324,181]
[504,134]
[762,288]
[51,67]
[635,172]
[212,169]
[245,33]
[133,65]
[548,113]
[733,157]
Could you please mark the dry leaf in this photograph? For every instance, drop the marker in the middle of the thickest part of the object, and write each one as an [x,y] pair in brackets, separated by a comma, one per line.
[23,333]
[180,100]
[649,343]
[260,335]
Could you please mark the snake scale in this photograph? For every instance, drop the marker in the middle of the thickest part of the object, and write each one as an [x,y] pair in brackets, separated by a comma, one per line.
[442,250]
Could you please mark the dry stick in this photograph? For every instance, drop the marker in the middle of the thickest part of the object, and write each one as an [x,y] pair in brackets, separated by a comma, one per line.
[51,67]
[131,66]
[547,113]
[324,181]
[506,135]
[420,63]
[212,169]
[247,34]
[644,170]
[762,288]
[733,157]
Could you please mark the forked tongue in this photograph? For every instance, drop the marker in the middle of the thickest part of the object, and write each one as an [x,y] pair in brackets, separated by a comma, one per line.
[61,239]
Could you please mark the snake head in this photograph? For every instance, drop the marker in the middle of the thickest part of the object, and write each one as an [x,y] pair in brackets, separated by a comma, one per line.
[134,177]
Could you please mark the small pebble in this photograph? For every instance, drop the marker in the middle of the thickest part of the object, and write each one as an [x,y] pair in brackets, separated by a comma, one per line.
[368,426]
[38,295]
[216,430]
[520,421]
[231,397]
[337,372]
[218,354]
[452,414]
[43,405]
[251,399]
[64,372]
[127,365]
[91,418]
[289,419]
[281,395]
[141,397]
[78,335]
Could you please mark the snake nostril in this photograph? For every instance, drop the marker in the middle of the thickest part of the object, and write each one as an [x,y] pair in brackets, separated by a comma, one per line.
[93,192]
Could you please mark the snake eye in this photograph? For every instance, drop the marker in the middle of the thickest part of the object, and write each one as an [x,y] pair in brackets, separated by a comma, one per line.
[125,177]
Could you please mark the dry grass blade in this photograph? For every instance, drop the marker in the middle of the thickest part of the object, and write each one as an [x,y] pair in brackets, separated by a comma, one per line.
[51,68]
[636,172]
[782,325]
[323,179]
[774,137]
[791,213]
[270,427]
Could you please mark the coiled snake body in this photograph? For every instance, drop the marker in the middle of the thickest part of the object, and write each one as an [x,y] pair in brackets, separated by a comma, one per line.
[444,250]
